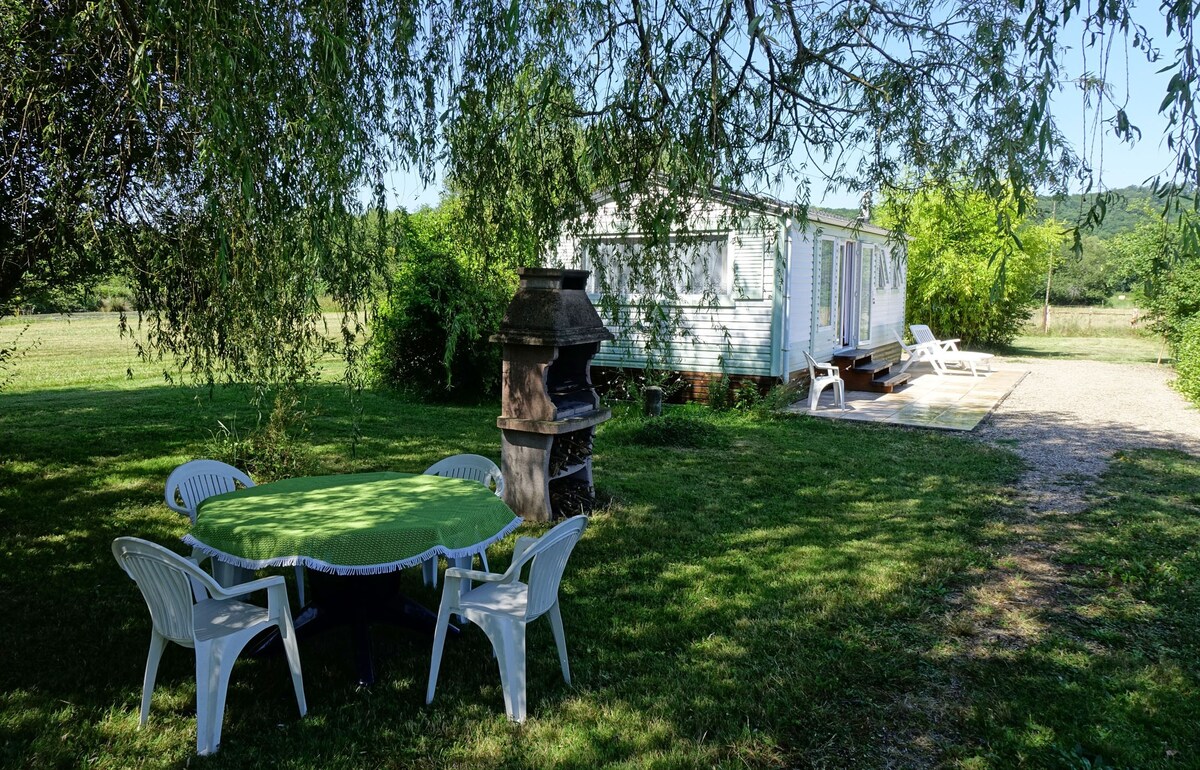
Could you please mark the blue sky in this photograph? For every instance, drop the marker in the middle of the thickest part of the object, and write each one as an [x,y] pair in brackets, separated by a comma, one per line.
[1136,85]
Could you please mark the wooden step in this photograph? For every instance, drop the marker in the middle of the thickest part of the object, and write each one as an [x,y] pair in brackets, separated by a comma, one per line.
[851,357]
[872,367]
[890,382]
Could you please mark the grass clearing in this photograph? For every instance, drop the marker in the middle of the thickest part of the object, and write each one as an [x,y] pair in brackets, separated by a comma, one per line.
[776,595]
[1125,321]
[1108,334]
[1116,350]
[1111,676]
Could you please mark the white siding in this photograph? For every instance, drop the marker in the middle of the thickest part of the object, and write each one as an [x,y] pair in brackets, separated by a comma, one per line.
[742,333]
[734,336]
[739,335]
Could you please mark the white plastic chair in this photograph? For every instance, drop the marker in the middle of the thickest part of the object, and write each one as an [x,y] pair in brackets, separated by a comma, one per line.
[818,383]
[194,482]
[917,352]
[503,606]
[217,627]
[943,352]
[475,468]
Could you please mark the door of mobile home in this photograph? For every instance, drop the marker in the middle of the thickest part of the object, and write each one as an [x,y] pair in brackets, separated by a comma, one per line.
[854,295]
[850,262]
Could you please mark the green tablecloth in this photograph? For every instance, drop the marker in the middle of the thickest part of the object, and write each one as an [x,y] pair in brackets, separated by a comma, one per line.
[358,524]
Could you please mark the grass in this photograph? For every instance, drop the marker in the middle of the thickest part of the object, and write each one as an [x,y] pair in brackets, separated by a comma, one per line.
[1111,675]
[1109,334]
[1124,321]
[780,594]
[1117,350]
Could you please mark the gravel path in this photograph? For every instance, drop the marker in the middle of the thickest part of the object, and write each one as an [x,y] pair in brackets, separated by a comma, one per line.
[1067,418]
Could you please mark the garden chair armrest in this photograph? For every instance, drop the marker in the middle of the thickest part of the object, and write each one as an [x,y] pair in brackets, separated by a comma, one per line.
[221,592]
[458,573]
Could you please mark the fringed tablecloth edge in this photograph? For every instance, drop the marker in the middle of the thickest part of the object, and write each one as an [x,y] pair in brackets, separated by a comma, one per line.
[368,569]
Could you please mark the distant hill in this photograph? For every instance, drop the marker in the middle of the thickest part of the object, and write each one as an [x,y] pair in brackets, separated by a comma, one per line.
[1122,215]
[839,212]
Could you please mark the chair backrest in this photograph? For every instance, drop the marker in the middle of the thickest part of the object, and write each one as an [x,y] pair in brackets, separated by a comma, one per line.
[165,580]
[812,366]
[547,560]
[922,334]
[194,482]
[473,467]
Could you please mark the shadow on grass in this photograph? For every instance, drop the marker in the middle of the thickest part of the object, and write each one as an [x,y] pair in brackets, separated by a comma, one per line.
[1109,675]
[775,602]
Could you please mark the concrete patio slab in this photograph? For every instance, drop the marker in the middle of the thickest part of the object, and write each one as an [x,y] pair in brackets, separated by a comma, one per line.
[956,401]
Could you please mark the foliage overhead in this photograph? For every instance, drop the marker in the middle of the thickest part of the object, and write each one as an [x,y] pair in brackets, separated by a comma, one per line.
[218,151]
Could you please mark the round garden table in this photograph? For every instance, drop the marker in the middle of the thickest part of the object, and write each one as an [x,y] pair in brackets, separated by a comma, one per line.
[353,532]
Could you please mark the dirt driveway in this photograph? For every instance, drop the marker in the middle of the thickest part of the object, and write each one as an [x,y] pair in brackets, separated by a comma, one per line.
[1067,418]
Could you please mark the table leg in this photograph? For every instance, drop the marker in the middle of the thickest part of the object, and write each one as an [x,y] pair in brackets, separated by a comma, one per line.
[463,562]
[362,655]
[358,601]
[228,575]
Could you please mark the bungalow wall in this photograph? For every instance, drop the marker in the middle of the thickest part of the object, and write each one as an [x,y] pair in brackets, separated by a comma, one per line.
[760,327]
[734,334]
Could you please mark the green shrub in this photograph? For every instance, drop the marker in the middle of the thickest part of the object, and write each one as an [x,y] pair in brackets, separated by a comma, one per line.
[112,295]
[747,397]
[780,397]
[720,394]
[1187,359]
[966,277]
[682,431]
[431,334]
[1176,301]
[271,450]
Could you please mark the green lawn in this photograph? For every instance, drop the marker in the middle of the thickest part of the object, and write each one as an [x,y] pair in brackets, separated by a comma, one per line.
[1118,350]
[785,595]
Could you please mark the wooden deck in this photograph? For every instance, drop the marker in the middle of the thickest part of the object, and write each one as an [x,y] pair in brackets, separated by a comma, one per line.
[956,401]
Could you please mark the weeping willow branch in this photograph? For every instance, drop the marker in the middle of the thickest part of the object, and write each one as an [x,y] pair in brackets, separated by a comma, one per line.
[234,158]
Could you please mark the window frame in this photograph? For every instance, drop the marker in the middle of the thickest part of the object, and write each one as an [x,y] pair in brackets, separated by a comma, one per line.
[722,272]
[824,282]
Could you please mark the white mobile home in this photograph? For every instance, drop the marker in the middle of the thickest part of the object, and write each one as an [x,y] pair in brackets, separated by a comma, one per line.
[753,296]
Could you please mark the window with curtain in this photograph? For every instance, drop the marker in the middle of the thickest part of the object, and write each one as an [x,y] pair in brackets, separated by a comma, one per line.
[700,264]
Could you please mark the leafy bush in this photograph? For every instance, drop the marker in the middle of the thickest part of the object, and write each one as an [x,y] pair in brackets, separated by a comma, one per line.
[268,451]
[723,395]
[112,295]
[1088,278]
[682,431]
[1187,359]
[1175,300]
[720,394]
[431,334]
[747,397]
[967,278]
[779,397]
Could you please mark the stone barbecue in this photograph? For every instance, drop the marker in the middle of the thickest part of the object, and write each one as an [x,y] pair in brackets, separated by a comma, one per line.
[548,409]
